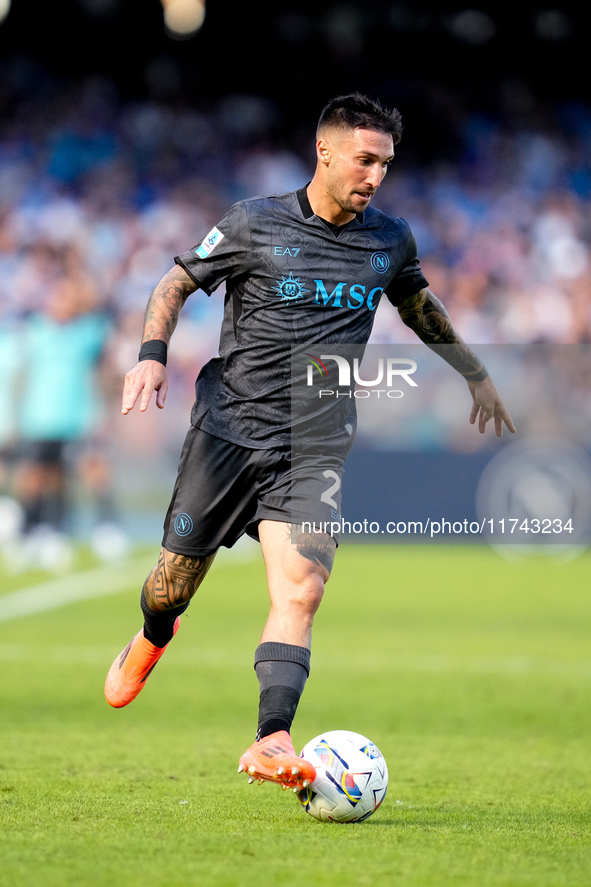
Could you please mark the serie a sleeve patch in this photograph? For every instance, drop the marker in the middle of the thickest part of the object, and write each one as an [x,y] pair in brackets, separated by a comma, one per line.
[208,245]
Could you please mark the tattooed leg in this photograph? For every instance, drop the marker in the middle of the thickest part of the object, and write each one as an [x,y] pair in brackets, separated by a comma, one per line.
[176,578]
[319,548]
[167,592]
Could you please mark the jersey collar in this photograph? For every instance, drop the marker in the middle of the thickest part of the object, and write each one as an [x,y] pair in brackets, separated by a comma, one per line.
[308,212]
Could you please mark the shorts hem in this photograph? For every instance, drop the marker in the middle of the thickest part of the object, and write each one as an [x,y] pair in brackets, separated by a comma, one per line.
[190,551]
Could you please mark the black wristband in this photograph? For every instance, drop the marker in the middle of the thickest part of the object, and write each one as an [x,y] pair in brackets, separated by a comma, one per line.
[480,376]
[155,349]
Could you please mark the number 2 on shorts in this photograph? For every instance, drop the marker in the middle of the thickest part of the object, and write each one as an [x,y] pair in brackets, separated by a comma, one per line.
[334,488]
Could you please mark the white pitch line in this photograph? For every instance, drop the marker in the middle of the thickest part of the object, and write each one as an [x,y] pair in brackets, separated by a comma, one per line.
[99,582]
[81,586]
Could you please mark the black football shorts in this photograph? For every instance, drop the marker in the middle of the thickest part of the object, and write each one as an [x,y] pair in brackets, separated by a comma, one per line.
[224,490]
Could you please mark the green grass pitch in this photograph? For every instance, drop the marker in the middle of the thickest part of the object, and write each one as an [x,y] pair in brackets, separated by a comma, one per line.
[470,672]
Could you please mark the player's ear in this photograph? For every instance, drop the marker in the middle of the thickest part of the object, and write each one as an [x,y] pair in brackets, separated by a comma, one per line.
[323,150]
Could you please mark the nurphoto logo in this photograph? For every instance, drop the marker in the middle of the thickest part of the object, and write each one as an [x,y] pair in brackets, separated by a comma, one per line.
[389,371]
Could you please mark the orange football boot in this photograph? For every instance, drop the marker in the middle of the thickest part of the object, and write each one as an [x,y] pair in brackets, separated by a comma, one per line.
[274,759]
[132,668]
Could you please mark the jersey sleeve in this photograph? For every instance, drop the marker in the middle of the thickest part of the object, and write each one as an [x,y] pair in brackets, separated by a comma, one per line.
[223,253]
[409,279]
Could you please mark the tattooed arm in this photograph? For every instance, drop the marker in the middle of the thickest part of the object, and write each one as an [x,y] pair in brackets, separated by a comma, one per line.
[165,304]
[160,321]
[426,316]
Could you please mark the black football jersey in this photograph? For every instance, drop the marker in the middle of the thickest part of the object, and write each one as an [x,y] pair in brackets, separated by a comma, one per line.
[291,279]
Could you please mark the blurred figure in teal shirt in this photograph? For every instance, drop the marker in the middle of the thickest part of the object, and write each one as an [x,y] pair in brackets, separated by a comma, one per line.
[59,403]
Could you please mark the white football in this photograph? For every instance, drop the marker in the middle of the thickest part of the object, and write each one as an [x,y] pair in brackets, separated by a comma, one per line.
[351,777]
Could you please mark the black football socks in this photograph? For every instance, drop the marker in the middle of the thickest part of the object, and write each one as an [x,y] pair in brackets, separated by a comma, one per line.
[282,670]
[159,625]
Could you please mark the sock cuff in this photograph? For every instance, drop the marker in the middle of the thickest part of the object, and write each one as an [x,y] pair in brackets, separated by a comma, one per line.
[274,651]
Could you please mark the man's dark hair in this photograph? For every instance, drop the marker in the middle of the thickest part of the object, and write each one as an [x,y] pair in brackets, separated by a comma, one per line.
[357,110]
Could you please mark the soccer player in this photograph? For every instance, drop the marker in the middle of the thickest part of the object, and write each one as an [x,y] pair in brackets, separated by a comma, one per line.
[309,266]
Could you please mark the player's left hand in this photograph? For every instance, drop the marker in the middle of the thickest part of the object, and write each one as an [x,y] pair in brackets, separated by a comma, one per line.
[487,405]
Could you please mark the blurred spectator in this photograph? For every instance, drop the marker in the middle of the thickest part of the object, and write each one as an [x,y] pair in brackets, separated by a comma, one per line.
[59,402]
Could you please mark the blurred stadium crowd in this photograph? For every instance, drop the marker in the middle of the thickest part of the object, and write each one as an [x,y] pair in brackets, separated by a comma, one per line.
[97,195]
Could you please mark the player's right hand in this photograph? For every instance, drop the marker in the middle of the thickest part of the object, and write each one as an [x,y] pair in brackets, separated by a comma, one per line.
[146,377]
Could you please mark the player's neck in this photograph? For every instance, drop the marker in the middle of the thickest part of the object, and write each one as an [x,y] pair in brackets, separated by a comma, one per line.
[325,207]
